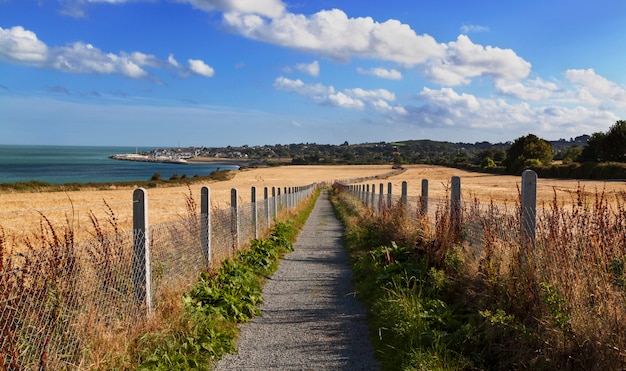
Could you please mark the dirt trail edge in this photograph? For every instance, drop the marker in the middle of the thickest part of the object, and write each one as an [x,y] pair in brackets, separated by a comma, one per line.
[311,319]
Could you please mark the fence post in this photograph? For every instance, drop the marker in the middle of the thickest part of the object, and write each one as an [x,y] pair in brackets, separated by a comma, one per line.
[142,269]
[275,202]
[381,191]
[405,195]
[529,207]
[373,201]
[366,199]
[424,198]
[255,227]
[455,205]
[389,185]
[267,206]
[234,223]
[205,225]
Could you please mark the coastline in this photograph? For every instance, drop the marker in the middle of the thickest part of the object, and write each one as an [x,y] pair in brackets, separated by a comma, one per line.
[144,158]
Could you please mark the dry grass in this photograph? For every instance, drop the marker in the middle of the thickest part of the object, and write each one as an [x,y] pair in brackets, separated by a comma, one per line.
[501,189]
[20,214]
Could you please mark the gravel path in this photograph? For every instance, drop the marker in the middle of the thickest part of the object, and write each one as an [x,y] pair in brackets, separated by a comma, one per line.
[311,319]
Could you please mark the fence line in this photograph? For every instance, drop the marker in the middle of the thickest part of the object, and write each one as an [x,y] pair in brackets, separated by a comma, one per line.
[55,299]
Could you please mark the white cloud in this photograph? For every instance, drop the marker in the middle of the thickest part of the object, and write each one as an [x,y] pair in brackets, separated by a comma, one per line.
[299,87]
[447,108]
[200,68]
[85,58]
[267,8]
[464,59]
[173,62]
[331,33]
[372,95]
[344,101]
[354,99]
[22,46]
[595,88]
[469,28]
[312,68]
[532,90]
[380,72]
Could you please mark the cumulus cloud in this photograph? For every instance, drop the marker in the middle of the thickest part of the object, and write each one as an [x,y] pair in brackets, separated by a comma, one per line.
[595,88]
[21,46]
[447,108]
[312,68]
[531,90]
[354,99]
[331,33]
[85,58]
[18,45]
[381,73]
[464,59]
[198,67]
[266,8]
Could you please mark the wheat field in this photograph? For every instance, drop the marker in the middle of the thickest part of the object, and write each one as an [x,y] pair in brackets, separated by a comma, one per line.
[21,213]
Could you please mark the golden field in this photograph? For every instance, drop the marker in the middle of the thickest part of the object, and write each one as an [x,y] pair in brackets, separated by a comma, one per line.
[20,212]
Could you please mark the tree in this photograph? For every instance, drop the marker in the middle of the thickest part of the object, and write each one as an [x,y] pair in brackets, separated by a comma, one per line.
[525,151]
[609,146]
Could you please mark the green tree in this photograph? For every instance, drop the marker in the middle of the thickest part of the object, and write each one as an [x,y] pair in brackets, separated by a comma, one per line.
[572,154]
[609,146]
[527,148]
[615,142]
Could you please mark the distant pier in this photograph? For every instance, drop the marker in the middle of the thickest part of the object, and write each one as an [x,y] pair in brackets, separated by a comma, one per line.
[145,158]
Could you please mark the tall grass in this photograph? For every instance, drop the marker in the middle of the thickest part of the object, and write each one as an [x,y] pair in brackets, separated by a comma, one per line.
[485,298]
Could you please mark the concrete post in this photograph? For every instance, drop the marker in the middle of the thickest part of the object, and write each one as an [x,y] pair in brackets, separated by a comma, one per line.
[205,225]
[142,267]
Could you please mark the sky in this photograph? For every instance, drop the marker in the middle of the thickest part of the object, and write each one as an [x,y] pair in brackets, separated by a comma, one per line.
[255,72]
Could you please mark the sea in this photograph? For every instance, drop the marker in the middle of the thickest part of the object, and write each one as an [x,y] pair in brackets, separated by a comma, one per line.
[84,164]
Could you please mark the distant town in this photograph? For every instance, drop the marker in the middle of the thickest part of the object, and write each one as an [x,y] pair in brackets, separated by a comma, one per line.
[410,151]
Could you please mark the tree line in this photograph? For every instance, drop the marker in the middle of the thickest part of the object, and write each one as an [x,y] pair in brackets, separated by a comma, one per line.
[564,158]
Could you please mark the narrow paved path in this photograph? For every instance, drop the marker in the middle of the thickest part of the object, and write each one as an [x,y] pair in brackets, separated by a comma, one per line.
[311,319]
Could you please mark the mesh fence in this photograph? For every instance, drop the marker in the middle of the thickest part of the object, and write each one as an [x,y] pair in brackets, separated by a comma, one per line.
[578,249]
[55,301]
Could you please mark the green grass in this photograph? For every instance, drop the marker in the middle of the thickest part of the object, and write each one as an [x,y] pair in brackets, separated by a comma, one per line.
[419,318]
[206,329]
[39,186]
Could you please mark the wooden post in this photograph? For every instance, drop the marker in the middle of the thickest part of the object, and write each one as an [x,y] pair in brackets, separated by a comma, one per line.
[255,227]
[373,199]
[234,224]
[205,225]
[424,198]
[455,205]
[389,185]
[529,207]
[366,199]
[142,268]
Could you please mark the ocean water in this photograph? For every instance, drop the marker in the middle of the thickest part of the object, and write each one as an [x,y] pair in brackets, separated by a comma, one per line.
[76,164]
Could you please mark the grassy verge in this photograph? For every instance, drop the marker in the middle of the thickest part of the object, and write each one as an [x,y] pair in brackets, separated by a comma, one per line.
[417,317]
[195,331]
[440,302]
[155,182]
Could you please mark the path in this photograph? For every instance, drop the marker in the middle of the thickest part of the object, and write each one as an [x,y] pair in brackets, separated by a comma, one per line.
[311,319]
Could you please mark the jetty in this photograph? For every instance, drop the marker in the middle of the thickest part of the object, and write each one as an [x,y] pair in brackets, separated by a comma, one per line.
[148,158]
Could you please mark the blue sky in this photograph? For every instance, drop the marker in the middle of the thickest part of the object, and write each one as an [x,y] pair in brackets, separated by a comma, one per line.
[255,72]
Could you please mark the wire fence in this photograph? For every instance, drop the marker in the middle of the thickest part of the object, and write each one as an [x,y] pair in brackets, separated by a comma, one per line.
[578,250]
[61,296]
